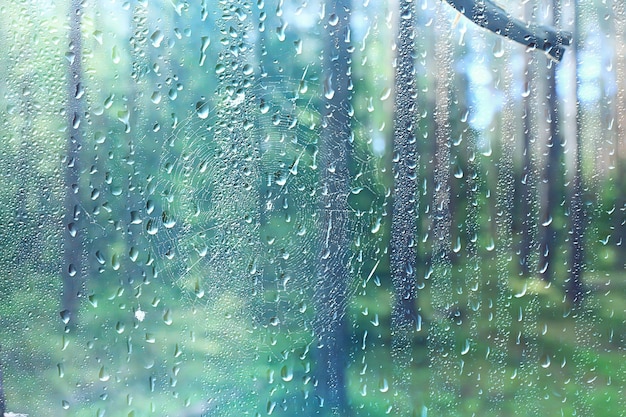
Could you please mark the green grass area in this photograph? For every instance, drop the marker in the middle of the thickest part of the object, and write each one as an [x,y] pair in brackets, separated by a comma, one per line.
[190,354]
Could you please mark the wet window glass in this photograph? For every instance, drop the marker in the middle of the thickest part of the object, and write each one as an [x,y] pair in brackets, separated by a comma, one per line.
[313,208]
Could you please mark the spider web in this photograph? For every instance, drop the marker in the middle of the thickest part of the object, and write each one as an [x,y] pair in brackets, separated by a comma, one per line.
[236,204]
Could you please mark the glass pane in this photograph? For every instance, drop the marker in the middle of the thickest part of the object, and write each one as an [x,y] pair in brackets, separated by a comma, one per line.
[346,208]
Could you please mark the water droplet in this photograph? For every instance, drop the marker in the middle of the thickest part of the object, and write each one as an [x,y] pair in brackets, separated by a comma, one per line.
[385,94]
[202,109]
[120,327]
[383,385]
[271,405]
[71,227]
[286,373]
[177,351]
[93,300]
[498,48]
[303,87]
[99,137]
[247,70]
[98,36]
[65,316]
[115,55]
[280,31]
[168,220]
[376,226]
[457,246]
[133,254]
[151,227]
[264,107]
[156,38]
[115,262]
[329,92]
[219,69]
[466,347]
[167,317]
[198,290]
[298,45]
[103,375]
[205,42]
[100,257]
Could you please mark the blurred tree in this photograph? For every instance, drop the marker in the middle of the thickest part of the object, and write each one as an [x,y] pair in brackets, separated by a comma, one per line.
[403,242]
[73,239]
[2,398]
[443,300]
[619,219]
[405,202]
[334,146]
[553,171]
[441,195]
[574,286]
[527,181]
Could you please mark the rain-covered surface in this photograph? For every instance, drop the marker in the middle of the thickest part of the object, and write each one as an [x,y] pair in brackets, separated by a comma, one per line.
[349,208]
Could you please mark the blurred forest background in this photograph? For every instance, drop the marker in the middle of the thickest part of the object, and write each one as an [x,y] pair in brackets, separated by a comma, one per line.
[285,207]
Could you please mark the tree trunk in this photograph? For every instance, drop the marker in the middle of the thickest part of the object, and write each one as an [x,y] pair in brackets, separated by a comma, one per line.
[620,146]
[2,399]
[333,275]
[73,279]
[444,365]
[553,175]
[527,183]
[574,287]
[404,210]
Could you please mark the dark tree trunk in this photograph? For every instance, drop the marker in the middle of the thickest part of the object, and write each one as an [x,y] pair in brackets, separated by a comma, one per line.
[527,183]
[404,212]
[72,238]
[441,214]
[619,221]
[574,286]
[552,177]
[333,275]
[2,399]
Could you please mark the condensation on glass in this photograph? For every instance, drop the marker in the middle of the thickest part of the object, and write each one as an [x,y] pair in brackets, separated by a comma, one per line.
[317,208]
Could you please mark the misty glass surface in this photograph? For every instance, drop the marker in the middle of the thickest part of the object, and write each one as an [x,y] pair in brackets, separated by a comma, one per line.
[312,208]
